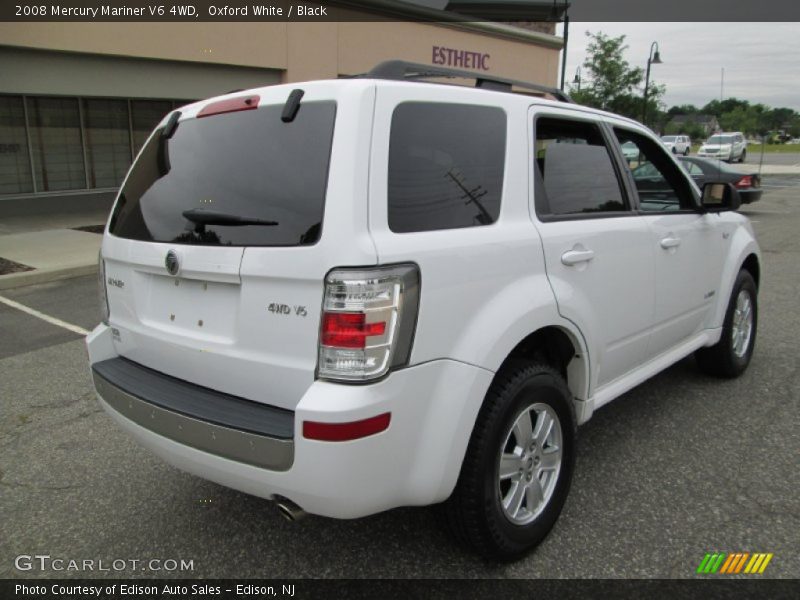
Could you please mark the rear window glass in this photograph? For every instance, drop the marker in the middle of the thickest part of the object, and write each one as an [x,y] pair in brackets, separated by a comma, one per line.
[247,164]
[445,166]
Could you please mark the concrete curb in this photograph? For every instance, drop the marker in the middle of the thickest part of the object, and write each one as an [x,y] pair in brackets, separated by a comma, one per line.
[767,169]
[15,280]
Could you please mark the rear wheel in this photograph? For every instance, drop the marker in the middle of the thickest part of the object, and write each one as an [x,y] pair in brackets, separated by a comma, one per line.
[731,355]
[517,470]
[686,152]
[743,156]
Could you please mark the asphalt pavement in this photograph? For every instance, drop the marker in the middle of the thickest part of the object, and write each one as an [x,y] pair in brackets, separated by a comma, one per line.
[680,466]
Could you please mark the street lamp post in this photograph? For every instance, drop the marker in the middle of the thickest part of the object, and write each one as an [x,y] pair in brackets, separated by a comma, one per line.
[652,59]
[577,79]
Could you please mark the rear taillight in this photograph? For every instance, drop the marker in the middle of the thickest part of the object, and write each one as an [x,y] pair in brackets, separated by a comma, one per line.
[745,182]
[349,330]
[368,321]
[102,292]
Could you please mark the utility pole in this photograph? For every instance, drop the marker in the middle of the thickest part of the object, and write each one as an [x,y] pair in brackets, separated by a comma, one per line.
[564,52]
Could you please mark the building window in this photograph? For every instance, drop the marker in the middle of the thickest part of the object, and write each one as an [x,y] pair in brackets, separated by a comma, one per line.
[15,164]
[65,153]
[56,141]
[108,141]
[145,115]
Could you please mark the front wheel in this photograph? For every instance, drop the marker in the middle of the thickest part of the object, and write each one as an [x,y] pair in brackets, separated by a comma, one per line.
[731,355]
[686,152]
[518,467]
[743,156]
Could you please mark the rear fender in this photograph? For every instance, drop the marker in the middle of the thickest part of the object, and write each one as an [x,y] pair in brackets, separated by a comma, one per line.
[517,310]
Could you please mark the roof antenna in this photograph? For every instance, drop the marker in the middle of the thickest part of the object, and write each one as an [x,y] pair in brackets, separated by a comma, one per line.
[292,106]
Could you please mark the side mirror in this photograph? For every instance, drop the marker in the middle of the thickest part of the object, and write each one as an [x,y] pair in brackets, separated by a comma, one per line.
[719,197]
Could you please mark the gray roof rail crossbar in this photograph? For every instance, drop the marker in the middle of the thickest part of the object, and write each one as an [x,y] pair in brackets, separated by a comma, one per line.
[403,71]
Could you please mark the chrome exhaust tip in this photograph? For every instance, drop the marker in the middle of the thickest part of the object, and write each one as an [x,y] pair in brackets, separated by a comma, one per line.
[288,509]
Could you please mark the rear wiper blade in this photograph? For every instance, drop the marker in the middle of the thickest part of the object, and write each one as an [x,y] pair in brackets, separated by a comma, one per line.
[202,216]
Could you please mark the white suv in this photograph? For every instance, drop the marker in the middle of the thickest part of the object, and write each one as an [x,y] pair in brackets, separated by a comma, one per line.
[678,144]
[729,147]
[348,296]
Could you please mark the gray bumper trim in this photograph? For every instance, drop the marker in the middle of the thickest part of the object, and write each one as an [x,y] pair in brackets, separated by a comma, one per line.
[258,450]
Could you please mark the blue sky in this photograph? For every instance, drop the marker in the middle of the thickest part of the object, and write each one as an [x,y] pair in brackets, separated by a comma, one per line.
[761,60]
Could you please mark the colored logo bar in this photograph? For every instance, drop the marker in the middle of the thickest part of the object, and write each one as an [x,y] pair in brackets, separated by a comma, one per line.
[723,563]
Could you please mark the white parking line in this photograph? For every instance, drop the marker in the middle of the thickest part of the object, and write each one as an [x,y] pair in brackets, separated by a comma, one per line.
[44,317]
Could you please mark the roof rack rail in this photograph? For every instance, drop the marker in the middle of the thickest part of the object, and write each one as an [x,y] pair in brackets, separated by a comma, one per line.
[404,71]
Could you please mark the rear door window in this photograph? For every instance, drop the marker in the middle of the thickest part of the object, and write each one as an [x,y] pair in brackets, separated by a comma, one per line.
[446,164]
[574,171]
[247,164]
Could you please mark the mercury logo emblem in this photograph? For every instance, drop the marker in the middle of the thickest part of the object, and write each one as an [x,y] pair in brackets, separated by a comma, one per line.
[172,263]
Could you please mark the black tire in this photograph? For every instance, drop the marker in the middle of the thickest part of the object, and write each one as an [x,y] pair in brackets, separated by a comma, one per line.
[473,512]
[686,152]
[720,359]
[743,156]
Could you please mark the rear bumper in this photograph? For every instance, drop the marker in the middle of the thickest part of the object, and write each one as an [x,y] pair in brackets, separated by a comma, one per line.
[749,196]
[234,428]
[416,461]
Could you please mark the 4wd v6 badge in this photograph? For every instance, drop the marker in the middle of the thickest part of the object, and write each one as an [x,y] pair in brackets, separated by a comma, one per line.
[285,309]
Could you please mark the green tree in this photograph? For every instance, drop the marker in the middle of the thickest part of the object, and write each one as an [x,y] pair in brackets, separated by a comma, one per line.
[683,109]
[794,126]
[719,108]
[735,114]
[693,130]
[778,117]
[741,118]
[613,84]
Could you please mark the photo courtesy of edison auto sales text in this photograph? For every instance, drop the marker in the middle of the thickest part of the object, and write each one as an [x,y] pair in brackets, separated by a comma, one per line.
[161,590]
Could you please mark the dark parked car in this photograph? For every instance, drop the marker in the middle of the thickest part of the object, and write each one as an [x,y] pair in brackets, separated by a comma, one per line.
[704,170]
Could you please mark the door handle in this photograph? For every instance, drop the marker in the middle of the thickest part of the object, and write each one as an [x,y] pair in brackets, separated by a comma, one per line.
[573,257]
[670,242]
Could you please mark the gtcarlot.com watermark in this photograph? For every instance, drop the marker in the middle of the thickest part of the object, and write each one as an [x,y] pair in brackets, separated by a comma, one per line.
[47,563]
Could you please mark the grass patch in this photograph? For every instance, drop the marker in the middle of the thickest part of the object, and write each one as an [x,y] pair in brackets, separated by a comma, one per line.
[775,148]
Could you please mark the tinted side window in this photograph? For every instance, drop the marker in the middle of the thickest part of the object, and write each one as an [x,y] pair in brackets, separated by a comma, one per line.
[446,166]
[661,185]
[575,168]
